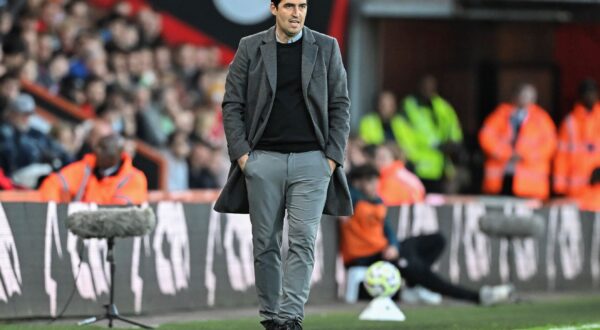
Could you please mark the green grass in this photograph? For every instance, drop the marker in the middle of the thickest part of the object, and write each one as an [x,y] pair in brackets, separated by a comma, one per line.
[539,315]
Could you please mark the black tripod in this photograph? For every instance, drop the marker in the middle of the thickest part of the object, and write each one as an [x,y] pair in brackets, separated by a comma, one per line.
[111,312]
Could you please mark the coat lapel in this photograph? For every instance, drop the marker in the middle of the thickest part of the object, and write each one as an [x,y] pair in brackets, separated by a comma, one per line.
[268,51]
[309,58]
[310,51]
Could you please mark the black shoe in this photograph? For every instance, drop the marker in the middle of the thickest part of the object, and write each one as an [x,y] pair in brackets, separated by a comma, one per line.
[270,325]
[292,325]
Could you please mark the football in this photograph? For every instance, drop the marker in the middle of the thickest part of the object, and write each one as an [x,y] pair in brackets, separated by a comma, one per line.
[382,279]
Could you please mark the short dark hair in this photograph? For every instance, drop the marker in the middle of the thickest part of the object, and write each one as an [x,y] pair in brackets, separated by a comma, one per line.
[276,2]
[586,86]
[361,172]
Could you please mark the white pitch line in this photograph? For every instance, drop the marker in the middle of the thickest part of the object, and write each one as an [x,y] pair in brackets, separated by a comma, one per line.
[579,327]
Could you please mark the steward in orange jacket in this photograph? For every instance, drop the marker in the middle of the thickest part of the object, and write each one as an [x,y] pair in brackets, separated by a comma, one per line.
[579,144]
[106,176]
[519,141]
[397,185]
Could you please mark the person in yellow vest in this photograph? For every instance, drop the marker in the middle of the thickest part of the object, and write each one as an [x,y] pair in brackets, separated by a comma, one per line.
[385,124]
[435,136]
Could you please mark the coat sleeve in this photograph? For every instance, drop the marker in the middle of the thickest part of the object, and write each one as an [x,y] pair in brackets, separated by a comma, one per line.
[561,162]
[545,144]
[56,187]
[134,192]
[492,141]
[338,107]
[234,104]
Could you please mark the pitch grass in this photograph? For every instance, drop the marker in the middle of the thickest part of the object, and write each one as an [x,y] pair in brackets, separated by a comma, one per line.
[557,313]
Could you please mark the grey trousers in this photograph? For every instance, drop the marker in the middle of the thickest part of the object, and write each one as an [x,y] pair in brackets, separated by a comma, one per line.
[297,182]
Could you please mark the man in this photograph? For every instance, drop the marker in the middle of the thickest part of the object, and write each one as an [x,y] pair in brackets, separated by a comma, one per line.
[579,144]
[286,118]
[397,185]
[24,147]
[106,176]
[436,135]
[518,140]
[386,124]
[368,237]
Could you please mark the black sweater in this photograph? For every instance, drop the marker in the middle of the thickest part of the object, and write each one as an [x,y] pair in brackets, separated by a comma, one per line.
[290,127]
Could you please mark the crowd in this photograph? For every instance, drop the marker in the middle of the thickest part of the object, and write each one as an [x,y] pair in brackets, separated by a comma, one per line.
[114,66]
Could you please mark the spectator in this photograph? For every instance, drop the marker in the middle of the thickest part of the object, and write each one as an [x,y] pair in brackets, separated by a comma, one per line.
[579,143]
[51,76]
[113,116]
[176,155]
[22,146]
[117,63]
[106,176]
[71,88]
[79,11]
[186,64]
[14,52]
[45,49]
[149,119]
[367,237]
[384,125]
[95,95]
[6,22]
[201,167]
[151,27]
[435,135]
[397,185]
[354,153]
[519,140]
[29,71]
[10,88]
[163,59]
[65,136]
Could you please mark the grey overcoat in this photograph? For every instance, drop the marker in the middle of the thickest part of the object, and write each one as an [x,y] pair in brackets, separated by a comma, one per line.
[249,95]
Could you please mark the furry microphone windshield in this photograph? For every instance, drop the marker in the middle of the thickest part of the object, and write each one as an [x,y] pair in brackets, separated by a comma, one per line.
[501,225]
[112,222]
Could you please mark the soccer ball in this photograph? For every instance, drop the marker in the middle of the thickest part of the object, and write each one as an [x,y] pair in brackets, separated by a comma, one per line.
[382,279]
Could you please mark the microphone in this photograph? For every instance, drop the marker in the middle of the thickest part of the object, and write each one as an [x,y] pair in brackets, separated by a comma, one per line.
[112,222]
[511,226]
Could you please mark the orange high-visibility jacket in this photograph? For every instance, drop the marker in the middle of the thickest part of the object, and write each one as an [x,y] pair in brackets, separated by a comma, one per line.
[578,151]
[535,145]
[589,198]
[363,234]
[77,182]
[398,186]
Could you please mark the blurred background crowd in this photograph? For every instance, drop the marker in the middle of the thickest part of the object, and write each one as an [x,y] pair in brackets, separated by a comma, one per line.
[117,70]
[120,74]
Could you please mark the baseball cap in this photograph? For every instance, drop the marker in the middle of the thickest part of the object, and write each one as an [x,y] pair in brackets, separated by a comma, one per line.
[24,104]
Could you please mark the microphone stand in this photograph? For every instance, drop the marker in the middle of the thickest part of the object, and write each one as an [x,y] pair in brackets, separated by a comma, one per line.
[111,312]
[511,254]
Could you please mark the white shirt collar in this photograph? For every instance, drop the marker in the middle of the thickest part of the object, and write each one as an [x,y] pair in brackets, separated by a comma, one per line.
[291,40]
